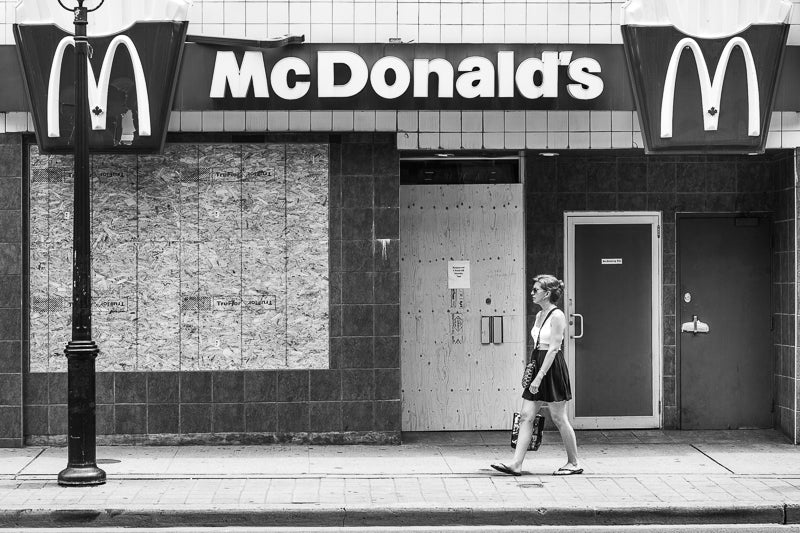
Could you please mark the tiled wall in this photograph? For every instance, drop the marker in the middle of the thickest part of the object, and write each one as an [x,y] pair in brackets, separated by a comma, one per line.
[793,371]
[784,295]
[11,281]
[365,279]
[421,21]
[629,181]
[357,399]
[322,21]
[447,130]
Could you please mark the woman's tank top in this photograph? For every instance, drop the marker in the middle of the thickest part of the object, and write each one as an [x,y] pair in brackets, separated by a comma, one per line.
[545,333]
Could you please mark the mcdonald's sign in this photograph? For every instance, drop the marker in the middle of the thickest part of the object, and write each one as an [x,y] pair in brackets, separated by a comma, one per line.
[682,106]
[131,99]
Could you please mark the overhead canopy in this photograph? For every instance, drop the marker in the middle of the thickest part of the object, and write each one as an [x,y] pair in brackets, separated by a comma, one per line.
[113,17]
[706,18]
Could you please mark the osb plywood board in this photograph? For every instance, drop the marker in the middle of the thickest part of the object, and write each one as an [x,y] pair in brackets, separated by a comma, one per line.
[158,305]
[113,199]
[204,257]
[39,344]
[264,330]
[451,381]
[307,302]
[114,302]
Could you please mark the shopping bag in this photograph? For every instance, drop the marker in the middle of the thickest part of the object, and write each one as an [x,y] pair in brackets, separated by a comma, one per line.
[536,439]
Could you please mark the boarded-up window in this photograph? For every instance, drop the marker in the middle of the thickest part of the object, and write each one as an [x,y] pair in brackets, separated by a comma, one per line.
[206,257]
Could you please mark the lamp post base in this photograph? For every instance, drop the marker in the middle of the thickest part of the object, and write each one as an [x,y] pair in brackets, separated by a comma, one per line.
[81,470]
[81,476]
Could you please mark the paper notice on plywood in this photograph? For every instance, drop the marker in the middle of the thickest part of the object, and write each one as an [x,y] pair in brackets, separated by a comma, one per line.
[458,274]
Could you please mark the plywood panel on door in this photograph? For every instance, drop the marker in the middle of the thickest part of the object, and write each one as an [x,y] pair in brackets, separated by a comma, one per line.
[450,380]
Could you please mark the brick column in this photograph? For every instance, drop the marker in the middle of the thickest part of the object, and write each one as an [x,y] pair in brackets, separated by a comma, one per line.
[11,281]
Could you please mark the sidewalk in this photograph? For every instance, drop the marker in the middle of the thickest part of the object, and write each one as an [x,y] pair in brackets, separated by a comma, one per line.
[631,477]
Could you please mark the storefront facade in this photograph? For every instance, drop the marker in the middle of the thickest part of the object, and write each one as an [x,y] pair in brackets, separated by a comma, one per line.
[312,265]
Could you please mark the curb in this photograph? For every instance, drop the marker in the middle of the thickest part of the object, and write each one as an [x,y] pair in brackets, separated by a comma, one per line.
[792,513]
[364,516]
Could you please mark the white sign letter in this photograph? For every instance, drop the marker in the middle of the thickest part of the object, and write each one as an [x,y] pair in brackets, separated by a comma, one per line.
[378,77]
[226,70]
[279,77]
[505,74]
[548,66]
[477,78]
[325,66]
[582,71]
[444,72]
[98,89]
[711,92]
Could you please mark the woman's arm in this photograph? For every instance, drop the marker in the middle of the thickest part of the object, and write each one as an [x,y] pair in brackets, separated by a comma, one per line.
[558,324]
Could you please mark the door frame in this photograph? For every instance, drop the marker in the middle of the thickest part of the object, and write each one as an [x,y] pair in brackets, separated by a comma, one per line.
[653,218]
[769,216]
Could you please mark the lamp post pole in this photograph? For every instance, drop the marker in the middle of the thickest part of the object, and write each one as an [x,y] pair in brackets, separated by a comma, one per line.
[81,351]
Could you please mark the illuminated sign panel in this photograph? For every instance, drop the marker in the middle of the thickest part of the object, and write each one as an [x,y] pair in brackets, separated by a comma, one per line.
[131,100]
[400,76]
[701,82]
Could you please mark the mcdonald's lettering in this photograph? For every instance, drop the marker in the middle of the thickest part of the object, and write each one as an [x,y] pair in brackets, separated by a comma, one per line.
[98,90]
[711,91]
[392,77]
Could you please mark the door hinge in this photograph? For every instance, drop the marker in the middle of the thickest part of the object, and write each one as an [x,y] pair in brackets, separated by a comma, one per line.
[658,231]
[659,406]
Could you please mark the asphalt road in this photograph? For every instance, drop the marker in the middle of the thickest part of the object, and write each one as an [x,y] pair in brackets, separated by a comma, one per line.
[719,528]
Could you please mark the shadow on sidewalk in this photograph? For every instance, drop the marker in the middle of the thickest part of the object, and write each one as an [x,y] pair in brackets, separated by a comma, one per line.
[621,436]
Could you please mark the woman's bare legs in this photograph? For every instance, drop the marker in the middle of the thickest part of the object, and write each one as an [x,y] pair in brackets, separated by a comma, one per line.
[558,412]
[528,413]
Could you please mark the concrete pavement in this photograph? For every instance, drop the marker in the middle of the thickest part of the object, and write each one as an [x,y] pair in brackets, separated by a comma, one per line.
[435,479]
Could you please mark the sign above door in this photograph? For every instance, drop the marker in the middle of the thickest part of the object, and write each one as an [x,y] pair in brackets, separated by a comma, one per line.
[673,50]
[744,53]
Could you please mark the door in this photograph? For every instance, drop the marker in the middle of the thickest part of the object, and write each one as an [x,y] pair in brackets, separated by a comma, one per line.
[724,280]
[462,349]
[613,298]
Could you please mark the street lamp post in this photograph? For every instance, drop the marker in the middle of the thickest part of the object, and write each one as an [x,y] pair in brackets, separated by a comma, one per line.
[81,351]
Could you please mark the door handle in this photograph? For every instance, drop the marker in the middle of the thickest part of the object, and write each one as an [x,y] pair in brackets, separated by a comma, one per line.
[578,315]
[695,326]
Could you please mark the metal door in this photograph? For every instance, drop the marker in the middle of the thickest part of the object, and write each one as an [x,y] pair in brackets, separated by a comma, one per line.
[613,300]
[724,322]
[455,376]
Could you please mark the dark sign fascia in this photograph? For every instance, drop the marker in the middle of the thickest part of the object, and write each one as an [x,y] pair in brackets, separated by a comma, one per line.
[158,51]
[651,52]
[498,91]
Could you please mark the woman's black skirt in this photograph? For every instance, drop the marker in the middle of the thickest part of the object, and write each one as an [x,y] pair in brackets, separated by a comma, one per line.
[555,384]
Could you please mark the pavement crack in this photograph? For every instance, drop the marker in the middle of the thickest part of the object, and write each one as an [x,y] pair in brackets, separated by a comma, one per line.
[21,470]
[720,464]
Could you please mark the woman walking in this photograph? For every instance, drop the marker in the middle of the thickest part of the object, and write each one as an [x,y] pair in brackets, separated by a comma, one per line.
[550,387]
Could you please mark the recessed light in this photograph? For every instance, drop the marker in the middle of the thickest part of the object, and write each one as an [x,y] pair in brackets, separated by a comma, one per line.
[548,154]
